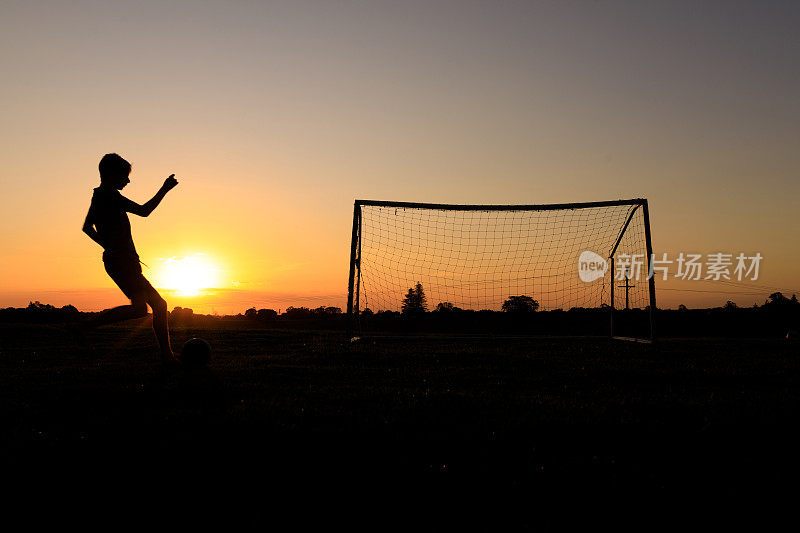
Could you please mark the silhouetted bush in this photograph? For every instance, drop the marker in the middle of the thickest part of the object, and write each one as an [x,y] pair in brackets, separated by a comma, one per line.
[297,312]
[181,314]
[266,314]
[520,304]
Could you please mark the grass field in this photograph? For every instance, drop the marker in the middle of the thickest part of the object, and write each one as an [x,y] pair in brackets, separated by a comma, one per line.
[306,409]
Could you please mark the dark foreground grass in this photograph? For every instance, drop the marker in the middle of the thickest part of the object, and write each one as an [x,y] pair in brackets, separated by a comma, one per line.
[304,413]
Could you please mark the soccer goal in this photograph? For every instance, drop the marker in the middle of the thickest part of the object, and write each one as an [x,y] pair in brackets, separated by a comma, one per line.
[557,269]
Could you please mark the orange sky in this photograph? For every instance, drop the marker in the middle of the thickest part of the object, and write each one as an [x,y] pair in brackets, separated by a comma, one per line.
[275,117]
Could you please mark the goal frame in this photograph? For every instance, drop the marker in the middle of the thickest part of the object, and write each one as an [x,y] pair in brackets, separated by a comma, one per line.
[354,280]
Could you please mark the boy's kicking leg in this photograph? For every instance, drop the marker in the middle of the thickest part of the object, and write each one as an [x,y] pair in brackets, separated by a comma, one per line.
[136,309]
[79,330]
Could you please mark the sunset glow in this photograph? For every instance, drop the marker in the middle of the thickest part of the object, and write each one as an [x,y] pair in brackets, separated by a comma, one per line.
[275,116]
[188,276]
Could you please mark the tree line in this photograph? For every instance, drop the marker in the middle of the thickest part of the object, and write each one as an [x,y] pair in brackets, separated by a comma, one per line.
[415,302]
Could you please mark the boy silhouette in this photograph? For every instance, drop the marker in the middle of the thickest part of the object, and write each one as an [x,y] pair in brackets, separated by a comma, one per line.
[107,224]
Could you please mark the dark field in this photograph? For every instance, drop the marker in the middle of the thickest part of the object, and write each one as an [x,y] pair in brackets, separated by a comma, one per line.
[306,413]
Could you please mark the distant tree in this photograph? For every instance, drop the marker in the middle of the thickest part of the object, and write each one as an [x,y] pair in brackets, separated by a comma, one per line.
[682,307]
[323,310]
[410,305]
[251,313]
[444,307]
[266,314]
[423,301]
[415,301]
[777,297]
[777,300]
[39,306]
[520,304]
[447,307]
[367,312]
[730,306]
[181,313]
[298,312]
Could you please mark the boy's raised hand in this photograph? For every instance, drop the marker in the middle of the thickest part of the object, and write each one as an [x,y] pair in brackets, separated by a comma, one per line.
[170,182]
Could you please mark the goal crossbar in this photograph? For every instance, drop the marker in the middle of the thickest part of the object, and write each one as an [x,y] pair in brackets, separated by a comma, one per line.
[499,207]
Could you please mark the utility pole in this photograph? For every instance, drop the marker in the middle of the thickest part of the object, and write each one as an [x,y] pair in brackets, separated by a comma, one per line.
[628,285]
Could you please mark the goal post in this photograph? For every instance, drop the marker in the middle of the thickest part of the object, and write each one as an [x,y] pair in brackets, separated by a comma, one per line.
[545,269]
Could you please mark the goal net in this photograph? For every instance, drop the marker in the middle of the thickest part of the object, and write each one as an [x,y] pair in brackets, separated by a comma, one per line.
[555,267]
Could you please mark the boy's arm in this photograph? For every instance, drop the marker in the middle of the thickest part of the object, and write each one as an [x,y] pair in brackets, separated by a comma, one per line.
[88,228]
[149,207]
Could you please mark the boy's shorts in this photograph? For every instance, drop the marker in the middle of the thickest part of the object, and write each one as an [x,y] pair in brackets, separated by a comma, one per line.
[126,272]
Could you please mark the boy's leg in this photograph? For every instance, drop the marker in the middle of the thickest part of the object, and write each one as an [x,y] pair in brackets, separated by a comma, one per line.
[137,309]
[79,330]
[160,323]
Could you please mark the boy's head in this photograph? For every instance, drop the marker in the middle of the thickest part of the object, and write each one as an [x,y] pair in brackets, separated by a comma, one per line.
[114,171]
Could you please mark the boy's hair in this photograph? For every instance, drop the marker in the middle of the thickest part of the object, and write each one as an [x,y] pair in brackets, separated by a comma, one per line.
[113,165]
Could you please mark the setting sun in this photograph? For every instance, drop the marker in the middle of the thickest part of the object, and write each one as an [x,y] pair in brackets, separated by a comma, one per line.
[188,275]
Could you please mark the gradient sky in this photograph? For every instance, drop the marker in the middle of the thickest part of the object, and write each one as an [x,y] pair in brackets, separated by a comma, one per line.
[275,116]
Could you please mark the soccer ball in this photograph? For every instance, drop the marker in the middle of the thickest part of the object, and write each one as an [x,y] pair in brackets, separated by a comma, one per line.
[196,353]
